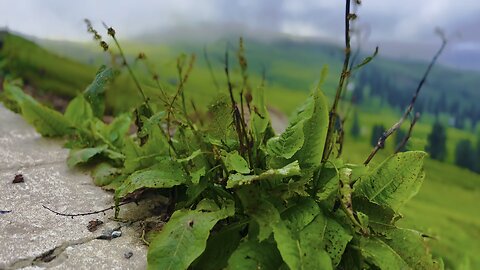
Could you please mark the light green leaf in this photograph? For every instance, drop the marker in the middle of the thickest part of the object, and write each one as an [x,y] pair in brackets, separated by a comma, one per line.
[46,121]
[312,244]
[221,125]
[118,129]
[260,119]
[380,254]
[315,133]
[236,180]
[104,174]
[95,92]
[288,143]
[77,156]
[398,249]
[165,174]
[195,154]
[304,138]
[196,175]
[395,181]
[140,157]
[184,237]
[235,162]
[79,111]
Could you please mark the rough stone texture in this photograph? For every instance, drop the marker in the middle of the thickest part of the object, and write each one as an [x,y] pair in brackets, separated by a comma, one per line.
[29,230]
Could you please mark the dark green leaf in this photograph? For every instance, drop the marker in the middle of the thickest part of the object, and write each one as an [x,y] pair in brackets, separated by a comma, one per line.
[254,255]
[95,92]
[184,237]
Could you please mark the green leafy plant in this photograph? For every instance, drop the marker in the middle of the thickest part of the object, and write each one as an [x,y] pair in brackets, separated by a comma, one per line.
[241,196]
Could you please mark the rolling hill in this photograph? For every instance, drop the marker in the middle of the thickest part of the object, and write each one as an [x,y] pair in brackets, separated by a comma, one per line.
[446,206]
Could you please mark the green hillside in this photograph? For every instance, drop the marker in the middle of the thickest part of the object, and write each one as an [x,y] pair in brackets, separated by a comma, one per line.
[445,208]
[40,68]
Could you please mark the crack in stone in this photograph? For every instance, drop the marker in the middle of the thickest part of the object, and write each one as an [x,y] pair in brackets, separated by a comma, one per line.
[49,257]
[53,257]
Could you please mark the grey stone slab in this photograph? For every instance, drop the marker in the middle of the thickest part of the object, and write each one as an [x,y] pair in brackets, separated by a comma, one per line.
[21,146]
[30,231]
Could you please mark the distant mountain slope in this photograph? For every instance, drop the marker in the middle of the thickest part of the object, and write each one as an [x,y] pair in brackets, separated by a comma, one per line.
[295,65]
[41,68]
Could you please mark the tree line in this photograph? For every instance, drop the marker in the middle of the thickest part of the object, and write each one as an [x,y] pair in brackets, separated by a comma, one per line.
[467,153]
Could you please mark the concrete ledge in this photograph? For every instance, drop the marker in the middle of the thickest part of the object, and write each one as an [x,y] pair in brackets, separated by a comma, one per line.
[32,237]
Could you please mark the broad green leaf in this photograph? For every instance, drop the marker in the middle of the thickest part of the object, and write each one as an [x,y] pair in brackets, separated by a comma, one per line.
[140,157]
[95,92]
[221,124]
[292,169]
[77,156]
[118,129]
[336,238]
[312,246]
[260,210]
[304,138]
[315,133]
[184,237]
[398,249]
[104,174]
[79,111]
[300,214]
[260,119]
[235,162]
[288,143]
[251,254]
[395,181]
[165,174]
[46,121]
[380,254]
[288,245]
[375,212]
[300,236]
[220,247]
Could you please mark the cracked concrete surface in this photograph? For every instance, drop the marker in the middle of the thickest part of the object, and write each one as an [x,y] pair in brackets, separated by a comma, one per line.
[31,237]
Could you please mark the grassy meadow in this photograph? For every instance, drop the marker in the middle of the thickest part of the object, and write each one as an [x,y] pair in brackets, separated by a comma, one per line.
[446,207]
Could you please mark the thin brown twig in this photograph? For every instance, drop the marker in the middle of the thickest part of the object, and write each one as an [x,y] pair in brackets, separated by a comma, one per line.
[397,125]
[87,213]
[343,77]
[409,134]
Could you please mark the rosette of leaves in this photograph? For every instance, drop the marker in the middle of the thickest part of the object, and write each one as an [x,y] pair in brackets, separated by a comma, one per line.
[244,199]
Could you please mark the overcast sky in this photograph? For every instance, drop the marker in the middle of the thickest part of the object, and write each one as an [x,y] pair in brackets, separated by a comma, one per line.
[410,21]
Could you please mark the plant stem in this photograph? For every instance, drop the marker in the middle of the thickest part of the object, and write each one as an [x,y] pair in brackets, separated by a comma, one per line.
[329,142]
[397,125]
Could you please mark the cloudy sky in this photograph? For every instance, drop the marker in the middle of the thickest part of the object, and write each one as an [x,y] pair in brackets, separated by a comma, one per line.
[388,22]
